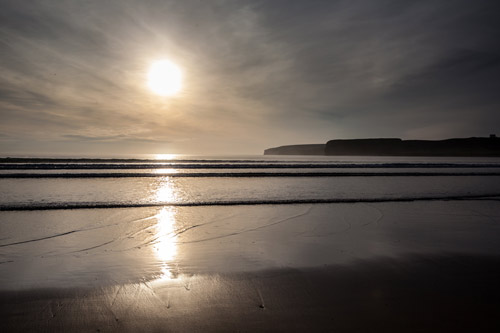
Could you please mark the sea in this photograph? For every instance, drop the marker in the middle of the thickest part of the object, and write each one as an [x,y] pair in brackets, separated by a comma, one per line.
[67,221]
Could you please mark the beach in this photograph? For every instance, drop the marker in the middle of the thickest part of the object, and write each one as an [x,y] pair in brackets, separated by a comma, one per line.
[414,266]
[249,166]
[441,294]
[284,252]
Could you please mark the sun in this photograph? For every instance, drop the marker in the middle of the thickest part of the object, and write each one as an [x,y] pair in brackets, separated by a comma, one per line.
[165,78]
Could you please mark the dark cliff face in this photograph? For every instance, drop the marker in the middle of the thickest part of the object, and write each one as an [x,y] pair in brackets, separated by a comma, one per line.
[314,149]
[398,147]
[363,147]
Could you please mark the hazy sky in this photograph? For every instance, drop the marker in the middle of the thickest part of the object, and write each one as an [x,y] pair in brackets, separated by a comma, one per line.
[257,74]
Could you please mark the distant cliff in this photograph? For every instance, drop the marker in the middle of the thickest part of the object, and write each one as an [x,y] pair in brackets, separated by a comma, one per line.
[396,147]
[314,149]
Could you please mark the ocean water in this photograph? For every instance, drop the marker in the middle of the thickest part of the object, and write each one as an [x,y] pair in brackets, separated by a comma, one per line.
[81,222]
[73,183]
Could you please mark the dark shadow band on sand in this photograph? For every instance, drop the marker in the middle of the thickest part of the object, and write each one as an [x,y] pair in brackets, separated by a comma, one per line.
[436,293]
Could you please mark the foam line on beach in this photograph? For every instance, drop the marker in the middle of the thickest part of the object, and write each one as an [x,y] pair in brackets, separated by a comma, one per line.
[114,166]
[243,174]
[106,205]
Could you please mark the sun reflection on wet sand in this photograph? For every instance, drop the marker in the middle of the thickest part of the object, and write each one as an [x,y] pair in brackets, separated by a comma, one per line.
[166,247]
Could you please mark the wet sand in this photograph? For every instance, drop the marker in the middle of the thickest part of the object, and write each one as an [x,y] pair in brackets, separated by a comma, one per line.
[453,293]
[388,267]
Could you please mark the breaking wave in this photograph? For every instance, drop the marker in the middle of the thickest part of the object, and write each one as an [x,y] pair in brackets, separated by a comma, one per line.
[244,174]
[102,205]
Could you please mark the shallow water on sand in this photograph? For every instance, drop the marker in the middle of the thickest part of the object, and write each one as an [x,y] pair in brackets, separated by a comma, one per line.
[82,248]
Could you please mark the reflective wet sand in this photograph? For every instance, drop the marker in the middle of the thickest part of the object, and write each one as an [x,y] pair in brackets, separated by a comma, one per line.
[386,266]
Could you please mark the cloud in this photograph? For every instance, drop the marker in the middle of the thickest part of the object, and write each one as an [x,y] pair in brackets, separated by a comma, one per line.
[257,73]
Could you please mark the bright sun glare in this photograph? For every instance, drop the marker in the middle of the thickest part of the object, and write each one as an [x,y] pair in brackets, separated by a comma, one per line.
[165,78]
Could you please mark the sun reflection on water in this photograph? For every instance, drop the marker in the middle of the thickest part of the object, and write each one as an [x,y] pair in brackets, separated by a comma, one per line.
[165,156]
[165,191]
[160,171]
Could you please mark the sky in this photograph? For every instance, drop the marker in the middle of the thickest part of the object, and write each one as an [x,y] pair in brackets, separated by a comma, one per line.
[256,74]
